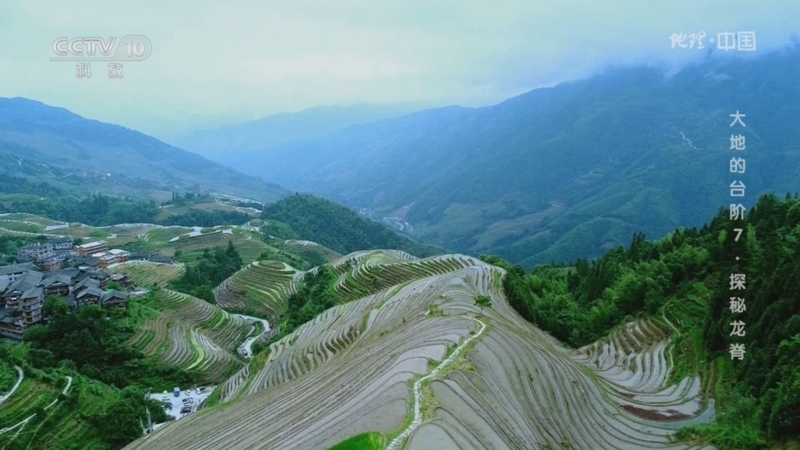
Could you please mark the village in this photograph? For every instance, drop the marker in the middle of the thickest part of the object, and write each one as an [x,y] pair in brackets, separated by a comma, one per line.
[76,275]
[73,273]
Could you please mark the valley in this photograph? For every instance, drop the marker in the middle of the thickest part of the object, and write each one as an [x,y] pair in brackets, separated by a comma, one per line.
[629,150]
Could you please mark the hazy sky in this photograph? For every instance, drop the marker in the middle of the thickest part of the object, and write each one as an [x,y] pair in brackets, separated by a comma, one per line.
[226,61]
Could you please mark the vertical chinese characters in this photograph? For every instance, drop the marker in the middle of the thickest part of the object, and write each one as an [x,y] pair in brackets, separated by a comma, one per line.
[737,280]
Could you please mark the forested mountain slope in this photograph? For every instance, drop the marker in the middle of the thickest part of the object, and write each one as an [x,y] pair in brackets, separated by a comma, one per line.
[45,143]
[335,226]
[568,171]
[685,279]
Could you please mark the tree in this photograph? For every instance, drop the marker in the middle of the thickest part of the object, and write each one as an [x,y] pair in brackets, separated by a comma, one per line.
[55,307]
[483,301]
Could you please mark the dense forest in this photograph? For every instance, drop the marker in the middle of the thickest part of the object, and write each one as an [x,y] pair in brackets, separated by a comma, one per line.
[213,267]
[336,227]
[687,277]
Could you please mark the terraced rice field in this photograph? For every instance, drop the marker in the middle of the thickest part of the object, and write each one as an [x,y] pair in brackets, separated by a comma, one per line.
[25,217]
[30,395]
[372,272]
[70,430]
[299,247]
[7,232]
[263,286]
[192,334]
[145,274]
[164,234]
[130,229]
[248,245]
[351,371]
[21,226]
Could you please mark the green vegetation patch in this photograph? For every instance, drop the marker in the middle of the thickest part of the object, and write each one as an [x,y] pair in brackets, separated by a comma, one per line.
[99,234]
[345,231]
[365,441]
[25,227]
[200,279]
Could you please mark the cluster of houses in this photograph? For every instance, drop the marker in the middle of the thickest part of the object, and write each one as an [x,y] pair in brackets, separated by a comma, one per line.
[52,255]
[23,290]
[41,274]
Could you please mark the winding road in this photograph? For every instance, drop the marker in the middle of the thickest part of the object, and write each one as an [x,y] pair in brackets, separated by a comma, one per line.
[16,385]
[398,441]
[246,348]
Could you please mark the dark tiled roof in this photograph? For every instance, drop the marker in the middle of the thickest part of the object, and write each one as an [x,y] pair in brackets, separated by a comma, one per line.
[71,272]
[9,316]
[55,278]
[161,259]
[15,268]
[28,281]
[69,300]
[86,283]
[6,312]
[34,292]
[90,291]
[112,297]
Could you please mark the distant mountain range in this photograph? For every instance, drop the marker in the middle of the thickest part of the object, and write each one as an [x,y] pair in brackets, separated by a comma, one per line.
[564,172]
[54,145]
[237,145]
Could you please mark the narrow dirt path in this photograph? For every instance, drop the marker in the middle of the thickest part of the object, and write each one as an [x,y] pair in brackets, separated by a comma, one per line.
[664,316]
[16,385]
[398,441]
[66,389]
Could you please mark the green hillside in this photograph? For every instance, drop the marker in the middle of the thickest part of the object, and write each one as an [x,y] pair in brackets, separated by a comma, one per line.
[334,226]
[45,143]
[684,281]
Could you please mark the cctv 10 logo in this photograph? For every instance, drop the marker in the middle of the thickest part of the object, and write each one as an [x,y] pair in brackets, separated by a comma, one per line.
[130,48]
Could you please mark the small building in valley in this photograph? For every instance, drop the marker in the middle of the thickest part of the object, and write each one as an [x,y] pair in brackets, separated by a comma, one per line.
[91,248]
